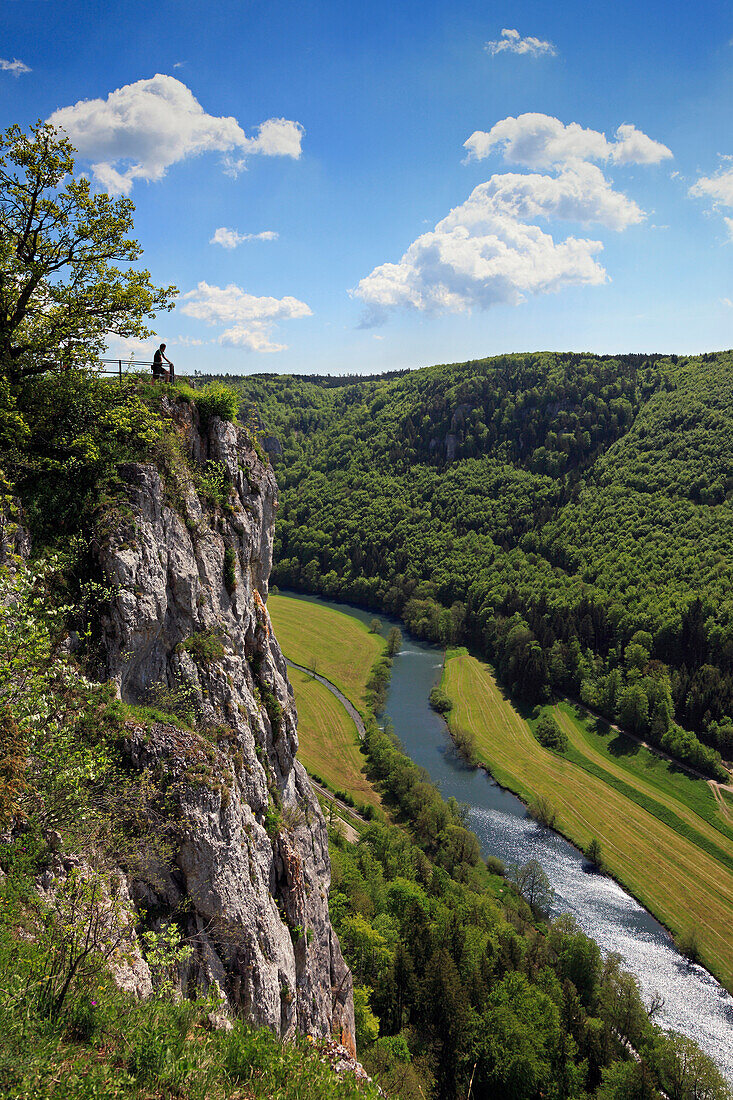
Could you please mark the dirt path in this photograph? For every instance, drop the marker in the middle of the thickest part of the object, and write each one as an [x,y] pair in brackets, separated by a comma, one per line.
[351,834]
[346,703]
[717,789]
[645,744]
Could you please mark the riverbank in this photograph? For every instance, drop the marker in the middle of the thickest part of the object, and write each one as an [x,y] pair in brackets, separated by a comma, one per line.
[685,887]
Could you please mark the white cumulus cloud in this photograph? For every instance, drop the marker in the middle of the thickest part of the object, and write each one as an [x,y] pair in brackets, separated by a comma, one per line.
[633,146]
[511,41]
[489,250]
[478,256]
[580,193]
[718,188]
[141,129]
[541,141]
[17,68]
[250,318]
[230,238]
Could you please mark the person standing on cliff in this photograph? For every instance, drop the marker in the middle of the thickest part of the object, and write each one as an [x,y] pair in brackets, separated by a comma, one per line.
[159,370]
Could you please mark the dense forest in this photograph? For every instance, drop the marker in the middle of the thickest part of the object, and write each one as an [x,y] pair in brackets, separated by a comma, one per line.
[463,987]
[567,515]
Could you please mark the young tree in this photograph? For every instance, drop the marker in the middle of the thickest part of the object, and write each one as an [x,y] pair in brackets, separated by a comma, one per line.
[61,292]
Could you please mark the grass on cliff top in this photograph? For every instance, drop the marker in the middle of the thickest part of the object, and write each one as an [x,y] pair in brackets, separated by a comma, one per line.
[329,743]
[651,839]
[337,646]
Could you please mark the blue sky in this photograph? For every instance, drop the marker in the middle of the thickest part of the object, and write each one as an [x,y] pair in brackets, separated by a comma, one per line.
[339,131]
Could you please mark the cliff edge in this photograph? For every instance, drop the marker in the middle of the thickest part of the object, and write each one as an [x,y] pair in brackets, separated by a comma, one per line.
[187,573]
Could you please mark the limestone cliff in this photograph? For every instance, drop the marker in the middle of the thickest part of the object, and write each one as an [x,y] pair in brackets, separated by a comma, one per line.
[250,873]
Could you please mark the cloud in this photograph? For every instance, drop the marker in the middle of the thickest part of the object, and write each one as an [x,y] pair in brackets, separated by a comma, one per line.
[478,256]
[541,141]
[250,318]
[727,303]
[489,250]
[580,193]
[511,42]
[17,68]
[130,347]
[719,189]
[632,146]
[141,129]
[230,238]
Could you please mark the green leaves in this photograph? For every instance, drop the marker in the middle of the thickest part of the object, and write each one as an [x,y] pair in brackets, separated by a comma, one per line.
[62,292]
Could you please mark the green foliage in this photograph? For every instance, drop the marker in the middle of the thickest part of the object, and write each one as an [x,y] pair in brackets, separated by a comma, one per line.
[594,852]
[212,482]
[394,641]
[59,243]
[206,647]
[549,734]
[533,884]
[367,1024]
[579,536]
[542,810]
[216,399]
[80,428]
[440,701]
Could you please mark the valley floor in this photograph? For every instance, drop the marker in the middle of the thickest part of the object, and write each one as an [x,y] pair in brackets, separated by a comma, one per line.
[664,835]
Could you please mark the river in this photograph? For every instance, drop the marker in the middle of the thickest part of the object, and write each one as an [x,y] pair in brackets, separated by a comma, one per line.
[695,1004]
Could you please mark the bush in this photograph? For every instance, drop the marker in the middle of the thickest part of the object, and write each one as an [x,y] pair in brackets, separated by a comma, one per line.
[465,743]
[688,943]
[495,866]
[594,853]
[440,701]
[205,648]
[542,810]
[216,399]
[549,734]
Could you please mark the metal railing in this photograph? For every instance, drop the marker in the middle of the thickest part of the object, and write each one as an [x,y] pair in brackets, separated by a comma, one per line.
[118,368]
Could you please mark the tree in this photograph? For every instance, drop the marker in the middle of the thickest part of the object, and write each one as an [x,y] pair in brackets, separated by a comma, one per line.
[60,291]
[594,852]
[534,885]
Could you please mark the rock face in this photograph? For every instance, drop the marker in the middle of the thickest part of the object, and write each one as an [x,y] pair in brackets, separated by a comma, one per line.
[188,617]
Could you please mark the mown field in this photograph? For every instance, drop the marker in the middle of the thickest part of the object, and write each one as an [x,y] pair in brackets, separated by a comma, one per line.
[339,647]
[662,836]
[329,743]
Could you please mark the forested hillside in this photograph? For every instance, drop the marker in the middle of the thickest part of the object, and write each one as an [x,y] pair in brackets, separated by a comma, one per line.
[568,515]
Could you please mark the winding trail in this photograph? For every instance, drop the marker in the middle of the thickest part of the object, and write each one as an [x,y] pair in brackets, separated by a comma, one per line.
[350,708]
[351,834]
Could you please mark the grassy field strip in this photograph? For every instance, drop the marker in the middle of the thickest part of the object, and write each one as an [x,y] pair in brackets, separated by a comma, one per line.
[680,883]
[648,772]
[329,743]
[720,799]
[665,807]
[340,648]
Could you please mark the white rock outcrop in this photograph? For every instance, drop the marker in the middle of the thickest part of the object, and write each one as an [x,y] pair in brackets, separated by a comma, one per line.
[250,872]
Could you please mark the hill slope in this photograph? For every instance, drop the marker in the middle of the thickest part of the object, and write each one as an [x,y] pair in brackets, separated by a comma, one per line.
[569,515]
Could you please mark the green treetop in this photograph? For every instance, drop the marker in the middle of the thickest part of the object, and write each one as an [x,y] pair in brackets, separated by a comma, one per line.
[61,291]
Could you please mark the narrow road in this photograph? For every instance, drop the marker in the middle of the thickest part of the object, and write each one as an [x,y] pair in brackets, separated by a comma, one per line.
[350,832]
[352,711]
[693,771]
